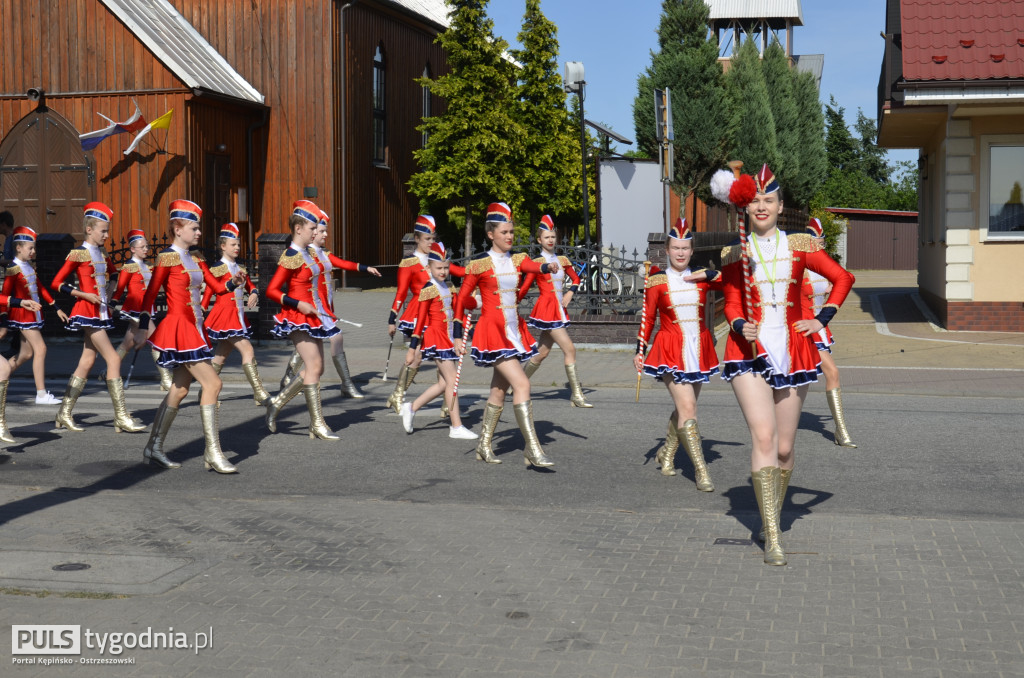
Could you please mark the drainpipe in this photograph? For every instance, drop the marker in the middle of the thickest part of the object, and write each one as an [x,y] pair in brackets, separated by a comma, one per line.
[250,130]
[344,145]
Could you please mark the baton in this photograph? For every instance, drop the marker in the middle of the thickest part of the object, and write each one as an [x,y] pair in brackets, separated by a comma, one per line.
[131,367]
[342,320]
[458,370]
[391,345]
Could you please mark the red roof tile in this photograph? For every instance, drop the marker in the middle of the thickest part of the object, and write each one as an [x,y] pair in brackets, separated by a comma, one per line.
[938,35]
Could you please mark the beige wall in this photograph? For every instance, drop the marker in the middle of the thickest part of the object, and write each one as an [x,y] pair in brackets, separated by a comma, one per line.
[931,256]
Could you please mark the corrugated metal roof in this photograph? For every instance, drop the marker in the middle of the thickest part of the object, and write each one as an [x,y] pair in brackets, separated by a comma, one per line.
[756,9]
[962,39]
[435,11]
[812,63]
[180,47]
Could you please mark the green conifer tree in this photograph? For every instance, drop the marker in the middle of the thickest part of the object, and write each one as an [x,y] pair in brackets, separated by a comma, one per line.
[474,152]
[756,143]
[811,141]
[778,77]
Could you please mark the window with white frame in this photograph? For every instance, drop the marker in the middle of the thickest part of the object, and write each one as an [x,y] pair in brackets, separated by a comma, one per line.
[1003,186]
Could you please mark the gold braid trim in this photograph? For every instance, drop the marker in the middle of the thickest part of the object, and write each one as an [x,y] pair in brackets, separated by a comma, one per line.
[291,260]
[219,270]
[803,242]
[478,266]
[656,279]
[171,258]
[79,255]
[409,261]
[241,269]
[130,267]
[429,292]
[731,254]
[518,258]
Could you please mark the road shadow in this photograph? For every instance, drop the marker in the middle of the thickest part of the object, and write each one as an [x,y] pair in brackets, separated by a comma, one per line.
[799,503]
[817,423]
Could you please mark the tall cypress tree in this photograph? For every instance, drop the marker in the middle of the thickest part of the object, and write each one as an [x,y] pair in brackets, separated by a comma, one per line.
[778,77]
[687,63]
[756,142]
[475,149]
[811,144]
[551,176]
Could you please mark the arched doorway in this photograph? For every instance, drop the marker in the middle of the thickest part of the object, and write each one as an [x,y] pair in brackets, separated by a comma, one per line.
[45,176]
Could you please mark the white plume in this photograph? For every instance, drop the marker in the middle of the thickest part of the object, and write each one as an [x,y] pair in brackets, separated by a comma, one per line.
[721,182]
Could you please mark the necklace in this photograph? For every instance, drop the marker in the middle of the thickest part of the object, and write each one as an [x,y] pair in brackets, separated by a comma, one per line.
[775,260]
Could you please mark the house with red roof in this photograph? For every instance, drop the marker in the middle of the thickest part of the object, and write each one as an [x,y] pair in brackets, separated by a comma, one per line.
[952,86]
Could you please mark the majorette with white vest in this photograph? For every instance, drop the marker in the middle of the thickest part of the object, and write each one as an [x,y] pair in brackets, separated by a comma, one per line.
[181,339]
[305,317]
[329,263]
[133,279]
[770,357]
[10,303]
[683,354]
[22,282]
[549,313]
[501,339]
[226,322]
[92,313]
[433,338]
[412,276]
[816,289]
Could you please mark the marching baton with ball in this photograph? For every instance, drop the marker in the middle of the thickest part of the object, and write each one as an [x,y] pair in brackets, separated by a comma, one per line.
[468,324]
[643,326]
[391,345]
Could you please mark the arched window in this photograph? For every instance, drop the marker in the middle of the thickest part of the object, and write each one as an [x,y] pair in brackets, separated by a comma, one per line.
[380,138]
[426,102]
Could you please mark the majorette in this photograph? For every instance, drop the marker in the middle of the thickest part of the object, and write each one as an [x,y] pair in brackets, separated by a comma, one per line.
[92,313]
[500,338]
[549,314]
[8,303]
[181,338]
[683,354]
[412,276]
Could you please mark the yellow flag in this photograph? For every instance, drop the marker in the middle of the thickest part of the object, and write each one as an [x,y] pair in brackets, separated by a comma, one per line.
[163,122]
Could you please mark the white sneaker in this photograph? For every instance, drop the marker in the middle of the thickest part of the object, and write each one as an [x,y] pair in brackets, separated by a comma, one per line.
[47,398]
[407,415]
[462,433]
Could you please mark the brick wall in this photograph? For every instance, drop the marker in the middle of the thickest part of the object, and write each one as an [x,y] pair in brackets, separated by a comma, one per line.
[985,316]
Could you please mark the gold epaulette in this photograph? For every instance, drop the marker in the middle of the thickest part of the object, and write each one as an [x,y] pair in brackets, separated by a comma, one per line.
[564,262]
[409,261]
[731,254]
[170,258]
[429,292]
[13,270]
[540,260]
[478,266]
[291,260]
[219,270]
[79,254]
[657,279]
[803,242]
[130,267]
[518,258]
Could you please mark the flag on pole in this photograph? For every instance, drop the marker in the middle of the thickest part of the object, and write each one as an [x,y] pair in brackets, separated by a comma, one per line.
[91,140]
[163,122]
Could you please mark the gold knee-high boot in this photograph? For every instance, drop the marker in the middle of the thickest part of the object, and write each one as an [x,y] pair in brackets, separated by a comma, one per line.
[766,488]
[689,434]
[294,365]
[784,476]
[492,413]
[533,454]
[166,376]
[123,420]
[252,373]
[153,453]
[213,456]
[575,388]
[122,353]
[667,453]
[317,426]
[530,367]
[71,393]
[5,433]
[835,403]
[277,403]
[397,396]
[348,387]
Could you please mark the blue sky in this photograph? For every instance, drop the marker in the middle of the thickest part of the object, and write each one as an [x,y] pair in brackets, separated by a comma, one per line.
[614,39]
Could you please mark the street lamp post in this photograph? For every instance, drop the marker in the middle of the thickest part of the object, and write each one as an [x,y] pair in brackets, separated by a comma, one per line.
[575,83]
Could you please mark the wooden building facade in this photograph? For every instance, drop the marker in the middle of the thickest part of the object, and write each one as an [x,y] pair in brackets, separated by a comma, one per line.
[273,101]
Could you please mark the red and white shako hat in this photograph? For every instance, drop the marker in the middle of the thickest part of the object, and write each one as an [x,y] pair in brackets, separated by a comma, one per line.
[187,210]
[307,210]
[229,230]
[499,212]
[438,252]
[425,224]
[546,223]
[23,234]
[324,219]
[815,228]
[136,234]
[765,180]
[681,230]
[97,210]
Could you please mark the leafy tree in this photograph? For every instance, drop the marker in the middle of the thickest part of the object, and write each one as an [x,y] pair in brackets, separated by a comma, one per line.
[756,142]
[840,147]
[779,77]
[474,153]
[551,177]
[811,141]
[686,63]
